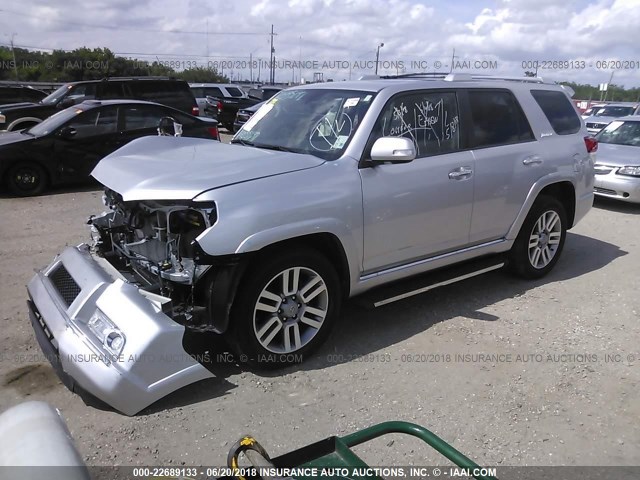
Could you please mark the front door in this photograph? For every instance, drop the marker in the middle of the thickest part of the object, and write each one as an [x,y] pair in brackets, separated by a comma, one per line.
[96,136]
[422,208]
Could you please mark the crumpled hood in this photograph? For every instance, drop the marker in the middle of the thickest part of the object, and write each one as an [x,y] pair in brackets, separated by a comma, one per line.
[617,155]
[180,168]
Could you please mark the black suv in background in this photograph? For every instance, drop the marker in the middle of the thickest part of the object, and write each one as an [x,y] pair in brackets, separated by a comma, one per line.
[166,91]
[12,93]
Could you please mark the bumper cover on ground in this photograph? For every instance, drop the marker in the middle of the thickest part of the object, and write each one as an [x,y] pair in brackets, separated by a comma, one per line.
[153,362]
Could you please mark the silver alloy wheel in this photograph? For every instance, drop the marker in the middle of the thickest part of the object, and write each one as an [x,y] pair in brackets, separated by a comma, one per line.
[290,310]
[545,239]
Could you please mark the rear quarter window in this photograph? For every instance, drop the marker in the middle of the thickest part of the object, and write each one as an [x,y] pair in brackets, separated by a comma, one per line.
[559,111]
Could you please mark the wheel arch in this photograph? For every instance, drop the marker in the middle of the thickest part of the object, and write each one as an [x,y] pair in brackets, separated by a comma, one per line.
[230,275]
[325,243]
[16,123]
[559,187]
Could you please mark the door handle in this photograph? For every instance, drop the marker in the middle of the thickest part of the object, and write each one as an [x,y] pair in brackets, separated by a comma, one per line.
[532,160]
[460,173]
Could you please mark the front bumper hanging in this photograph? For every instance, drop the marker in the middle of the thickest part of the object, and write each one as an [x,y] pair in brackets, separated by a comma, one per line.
[105,335]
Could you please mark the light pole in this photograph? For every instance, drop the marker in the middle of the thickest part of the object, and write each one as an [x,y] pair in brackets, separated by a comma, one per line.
[378,56]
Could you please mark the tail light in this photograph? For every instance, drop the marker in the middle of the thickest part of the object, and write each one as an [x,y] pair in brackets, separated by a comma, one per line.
[213,131]
[195,111]
[591,144]
[219,106]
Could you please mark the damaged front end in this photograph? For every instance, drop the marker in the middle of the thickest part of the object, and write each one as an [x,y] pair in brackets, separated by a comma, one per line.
[112,316]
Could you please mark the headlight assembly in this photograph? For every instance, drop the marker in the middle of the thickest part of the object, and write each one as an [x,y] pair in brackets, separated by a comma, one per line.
[630,170]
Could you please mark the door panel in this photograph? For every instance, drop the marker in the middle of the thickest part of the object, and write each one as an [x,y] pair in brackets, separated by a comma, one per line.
[508,160]
[96,136]
[422,208]
[415,210]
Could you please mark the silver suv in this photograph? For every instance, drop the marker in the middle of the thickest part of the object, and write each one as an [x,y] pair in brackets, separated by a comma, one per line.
[328,191]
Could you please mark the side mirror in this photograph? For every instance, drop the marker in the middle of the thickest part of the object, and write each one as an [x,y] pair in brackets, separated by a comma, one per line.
[67,102]
[67,132]
[168,127]
[393,150]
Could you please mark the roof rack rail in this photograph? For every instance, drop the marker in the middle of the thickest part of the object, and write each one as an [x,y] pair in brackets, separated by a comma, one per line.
[453,77]
[141,77]
[417,75]
[465,77]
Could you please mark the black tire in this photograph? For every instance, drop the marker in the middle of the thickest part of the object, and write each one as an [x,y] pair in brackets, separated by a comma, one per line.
[267,274]
[535,261]
[27,178]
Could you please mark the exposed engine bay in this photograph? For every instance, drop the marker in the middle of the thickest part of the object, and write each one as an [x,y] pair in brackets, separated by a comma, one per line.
[152,244]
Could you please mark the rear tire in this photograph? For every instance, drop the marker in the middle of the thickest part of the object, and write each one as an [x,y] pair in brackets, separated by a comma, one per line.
[285,308]
[541,239]
[27,178]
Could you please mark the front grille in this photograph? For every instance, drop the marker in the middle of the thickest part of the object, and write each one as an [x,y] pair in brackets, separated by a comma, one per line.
[597,126]
[65,284]
[606,191]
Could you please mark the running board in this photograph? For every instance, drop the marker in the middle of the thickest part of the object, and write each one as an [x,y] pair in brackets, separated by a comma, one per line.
[428,281]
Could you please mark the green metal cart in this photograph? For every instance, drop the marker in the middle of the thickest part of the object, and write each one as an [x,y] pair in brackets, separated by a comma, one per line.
[333,456]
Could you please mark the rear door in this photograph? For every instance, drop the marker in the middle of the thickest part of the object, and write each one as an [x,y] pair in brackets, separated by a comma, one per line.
[140,121]
[508,160]
[422,208]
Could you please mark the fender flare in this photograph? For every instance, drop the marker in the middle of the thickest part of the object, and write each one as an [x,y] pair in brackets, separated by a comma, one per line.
[532,196]
[13,124]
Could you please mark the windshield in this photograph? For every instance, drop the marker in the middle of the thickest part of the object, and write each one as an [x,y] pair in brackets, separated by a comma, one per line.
[56,96]
[320,122]
[54,121]
[613,111]
[621,133]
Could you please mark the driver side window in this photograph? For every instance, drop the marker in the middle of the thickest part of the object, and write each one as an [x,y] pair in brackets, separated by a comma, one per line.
[430,119]
[98,121]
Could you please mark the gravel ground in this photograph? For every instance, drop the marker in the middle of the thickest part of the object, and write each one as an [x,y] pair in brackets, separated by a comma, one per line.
[560,393]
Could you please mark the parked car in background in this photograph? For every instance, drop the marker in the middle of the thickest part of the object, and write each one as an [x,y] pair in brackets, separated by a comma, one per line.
[65,147]
[245,114]
[602,115]
[593,108]
[226,109]
[618,162]
[263,93]
[218,90]
[330,190]
[167,91]
[12,93]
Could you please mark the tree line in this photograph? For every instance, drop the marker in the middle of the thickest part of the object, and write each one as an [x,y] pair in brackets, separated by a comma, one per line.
[89,64]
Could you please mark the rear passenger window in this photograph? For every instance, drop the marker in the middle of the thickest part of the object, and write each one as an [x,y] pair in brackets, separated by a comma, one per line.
[112,91]
[497,118]
[559,111]
[429,119]
[137,118]
[234,92]
[213,92]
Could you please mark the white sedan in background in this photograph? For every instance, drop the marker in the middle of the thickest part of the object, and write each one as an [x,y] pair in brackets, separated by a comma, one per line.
[617,166]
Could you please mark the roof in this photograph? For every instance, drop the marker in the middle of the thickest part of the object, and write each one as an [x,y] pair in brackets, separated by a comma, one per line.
[374,83]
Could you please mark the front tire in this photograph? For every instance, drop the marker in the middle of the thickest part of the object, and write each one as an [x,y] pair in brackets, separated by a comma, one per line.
[27,178]
[285,308]
[541,239]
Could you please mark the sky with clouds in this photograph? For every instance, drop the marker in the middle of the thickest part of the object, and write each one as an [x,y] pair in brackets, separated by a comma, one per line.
[339,38]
